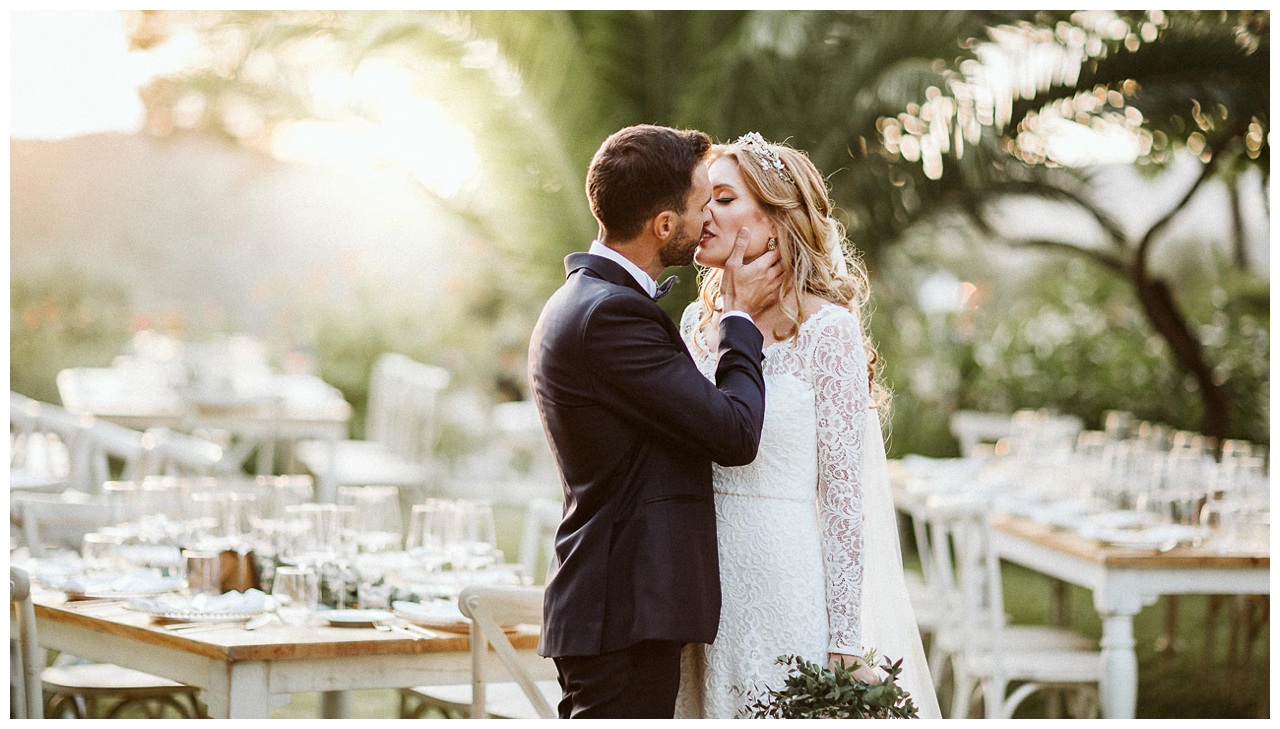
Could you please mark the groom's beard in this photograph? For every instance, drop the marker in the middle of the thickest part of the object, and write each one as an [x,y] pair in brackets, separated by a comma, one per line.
[679,250]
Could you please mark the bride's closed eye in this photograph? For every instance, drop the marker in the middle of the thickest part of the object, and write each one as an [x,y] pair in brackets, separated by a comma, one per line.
[724,200]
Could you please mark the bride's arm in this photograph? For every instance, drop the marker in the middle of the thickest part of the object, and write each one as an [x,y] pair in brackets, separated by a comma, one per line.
[842,399]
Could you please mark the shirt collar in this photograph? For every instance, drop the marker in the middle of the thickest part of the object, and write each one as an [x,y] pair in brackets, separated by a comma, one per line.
[644,279]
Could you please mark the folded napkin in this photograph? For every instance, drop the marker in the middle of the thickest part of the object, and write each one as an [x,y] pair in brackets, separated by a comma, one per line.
[249,601]
[128,583]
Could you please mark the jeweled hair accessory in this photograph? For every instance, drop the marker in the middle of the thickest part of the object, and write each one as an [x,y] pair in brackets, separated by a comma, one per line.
[765,155]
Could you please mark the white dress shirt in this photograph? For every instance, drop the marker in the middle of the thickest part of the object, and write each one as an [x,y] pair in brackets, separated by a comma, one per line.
[641,276]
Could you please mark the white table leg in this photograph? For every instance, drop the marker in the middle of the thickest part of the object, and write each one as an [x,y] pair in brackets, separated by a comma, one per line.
[1119,689]
[245,694]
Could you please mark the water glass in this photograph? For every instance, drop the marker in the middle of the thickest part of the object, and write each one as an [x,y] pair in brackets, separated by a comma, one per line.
[100,552]
[297,589]
[203,570]
[123,501]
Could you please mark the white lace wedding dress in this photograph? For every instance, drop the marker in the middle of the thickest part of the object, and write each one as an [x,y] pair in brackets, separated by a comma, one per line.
[809,555]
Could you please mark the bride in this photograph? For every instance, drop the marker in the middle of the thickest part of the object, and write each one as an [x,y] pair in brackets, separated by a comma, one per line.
[809,560]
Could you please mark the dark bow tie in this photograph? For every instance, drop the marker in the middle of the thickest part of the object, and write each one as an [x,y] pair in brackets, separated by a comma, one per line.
[664,288]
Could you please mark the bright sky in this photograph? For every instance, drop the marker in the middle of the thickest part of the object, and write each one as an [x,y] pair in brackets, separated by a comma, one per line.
[70,73]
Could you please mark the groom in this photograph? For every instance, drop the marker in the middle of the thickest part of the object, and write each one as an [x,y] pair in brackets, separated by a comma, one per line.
[635,427]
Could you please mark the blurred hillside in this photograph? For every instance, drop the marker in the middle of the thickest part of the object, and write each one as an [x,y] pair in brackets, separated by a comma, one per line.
[231,238]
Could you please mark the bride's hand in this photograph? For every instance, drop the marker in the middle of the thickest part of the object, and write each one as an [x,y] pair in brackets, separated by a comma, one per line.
[863,672]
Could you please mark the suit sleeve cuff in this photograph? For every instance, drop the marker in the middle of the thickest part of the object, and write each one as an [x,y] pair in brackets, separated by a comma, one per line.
[735,312]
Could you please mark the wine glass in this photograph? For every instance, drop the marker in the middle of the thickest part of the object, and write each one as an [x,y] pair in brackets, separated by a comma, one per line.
[376,526]
[477,542]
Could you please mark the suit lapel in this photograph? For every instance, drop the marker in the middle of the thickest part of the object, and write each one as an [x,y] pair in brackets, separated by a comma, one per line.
[603,268]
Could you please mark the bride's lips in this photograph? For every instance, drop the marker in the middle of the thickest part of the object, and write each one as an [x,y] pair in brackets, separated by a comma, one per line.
[706,236]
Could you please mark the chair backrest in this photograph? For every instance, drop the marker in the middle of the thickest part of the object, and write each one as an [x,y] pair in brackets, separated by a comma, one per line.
[24,672]
[490,607]
[957,538]
[105,441]
[521,443]
[22,424]
[58,520]
[178,454]
[973,428]
[403,402]
[385,402]
[72,431]
[541,519]
[425,383]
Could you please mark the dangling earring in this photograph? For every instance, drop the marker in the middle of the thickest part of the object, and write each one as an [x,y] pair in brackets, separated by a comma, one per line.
[773,243]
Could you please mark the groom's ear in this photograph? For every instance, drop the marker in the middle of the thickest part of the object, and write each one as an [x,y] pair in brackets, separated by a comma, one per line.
[663,224]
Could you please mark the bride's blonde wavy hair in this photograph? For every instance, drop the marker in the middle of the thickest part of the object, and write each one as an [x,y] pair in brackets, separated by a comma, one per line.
[815,254]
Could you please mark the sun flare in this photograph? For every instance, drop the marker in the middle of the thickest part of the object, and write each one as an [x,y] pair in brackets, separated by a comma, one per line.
[393,126]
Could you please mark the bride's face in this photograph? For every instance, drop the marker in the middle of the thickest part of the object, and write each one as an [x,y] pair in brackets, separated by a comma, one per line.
[732,207]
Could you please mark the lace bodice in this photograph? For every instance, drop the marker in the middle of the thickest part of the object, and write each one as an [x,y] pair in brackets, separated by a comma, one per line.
[817,403]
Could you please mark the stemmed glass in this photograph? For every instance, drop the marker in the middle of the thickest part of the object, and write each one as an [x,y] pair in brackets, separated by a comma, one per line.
[477,543]
[376,524]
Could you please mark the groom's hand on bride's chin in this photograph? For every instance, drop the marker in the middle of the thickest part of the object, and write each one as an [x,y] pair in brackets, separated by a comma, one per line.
[750,287]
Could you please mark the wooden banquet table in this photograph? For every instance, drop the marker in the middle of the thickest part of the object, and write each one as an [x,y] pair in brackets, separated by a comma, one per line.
[1123,581]
[238,671]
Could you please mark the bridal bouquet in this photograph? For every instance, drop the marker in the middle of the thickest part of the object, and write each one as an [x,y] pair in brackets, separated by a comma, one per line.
[815,692]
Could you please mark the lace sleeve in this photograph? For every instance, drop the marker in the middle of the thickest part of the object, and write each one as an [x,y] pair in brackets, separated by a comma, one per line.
[842,397]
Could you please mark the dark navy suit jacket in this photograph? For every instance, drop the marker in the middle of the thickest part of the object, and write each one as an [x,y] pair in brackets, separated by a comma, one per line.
[634,428]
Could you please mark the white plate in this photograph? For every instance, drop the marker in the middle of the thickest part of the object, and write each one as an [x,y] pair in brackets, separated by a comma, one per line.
[72,595]
[191,616]
[354,618]
[1154,537]
[1121,519]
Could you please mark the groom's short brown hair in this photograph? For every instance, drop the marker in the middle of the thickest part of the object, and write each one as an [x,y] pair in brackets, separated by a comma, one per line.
[640,171]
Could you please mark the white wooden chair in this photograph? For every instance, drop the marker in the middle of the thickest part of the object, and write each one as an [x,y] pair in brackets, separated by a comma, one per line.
[1074,671]
[971,625]
[542,517]
[400,434]
[25,657]
[994,654]
[491,607]
[74,687]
